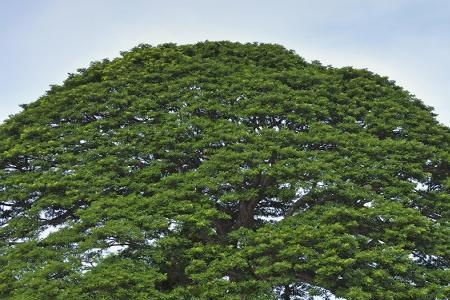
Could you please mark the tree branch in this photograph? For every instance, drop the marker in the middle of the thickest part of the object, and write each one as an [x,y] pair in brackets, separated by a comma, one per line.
[299,202]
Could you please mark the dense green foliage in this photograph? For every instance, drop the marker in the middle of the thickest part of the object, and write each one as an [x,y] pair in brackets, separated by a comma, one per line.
[224,171]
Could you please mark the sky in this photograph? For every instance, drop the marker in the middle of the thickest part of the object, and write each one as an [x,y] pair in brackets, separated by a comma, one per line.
[407,40]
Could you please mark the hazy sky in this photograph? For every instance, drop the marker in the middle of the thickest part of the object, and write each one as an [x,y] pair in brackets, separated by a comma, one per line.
[409,41]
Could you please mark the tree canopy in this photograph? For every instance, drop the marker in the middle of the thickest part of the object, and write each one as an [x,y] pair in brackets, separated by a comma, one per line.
[223,170]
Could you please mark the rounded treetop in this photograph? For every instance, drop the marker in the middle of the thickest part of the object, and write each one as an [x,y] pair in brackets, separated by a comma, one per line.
[224,171]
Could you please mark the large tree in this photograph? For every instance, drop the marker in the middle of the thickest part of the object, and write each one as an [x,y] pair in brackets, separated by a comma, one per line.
[224,171]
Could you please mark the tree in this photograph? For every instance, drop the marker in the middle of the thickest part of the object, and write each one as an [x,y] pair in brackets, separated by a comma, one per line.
[224,171]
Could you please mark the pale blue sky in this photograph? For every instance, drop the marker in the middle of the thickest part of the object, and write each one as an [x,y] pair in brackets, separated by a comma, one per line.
[407,40]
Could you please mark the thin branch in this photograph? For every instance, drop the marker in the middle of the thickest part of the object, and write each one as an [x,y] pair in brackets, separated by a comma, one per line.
[299,201]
